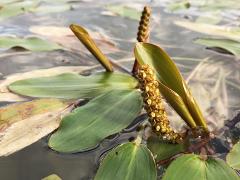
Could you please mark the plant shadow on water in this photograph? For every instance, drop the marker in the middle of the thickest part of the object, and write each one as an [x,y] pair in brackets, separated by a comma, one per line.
[219,72]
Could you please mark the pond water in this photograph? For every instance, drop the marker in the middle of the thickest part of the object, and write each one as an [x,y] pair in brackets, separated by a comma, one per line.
[213,77]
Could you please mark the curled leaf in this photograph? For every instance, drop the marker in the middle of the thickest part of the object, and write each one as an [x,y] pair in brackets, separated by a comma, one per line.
[85,38]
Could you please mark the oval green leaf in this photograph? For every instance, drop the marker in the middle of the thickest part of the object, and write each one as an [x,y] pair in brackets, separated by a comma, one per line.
[88,125]
[191,166]
[163,150]
[128,161]
[70,86]
[233,157]
[169,75]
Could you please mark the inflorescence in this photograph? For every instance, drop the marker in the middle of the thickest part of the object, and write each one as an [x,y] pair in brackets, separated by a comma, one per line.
[143,28]
[154,106]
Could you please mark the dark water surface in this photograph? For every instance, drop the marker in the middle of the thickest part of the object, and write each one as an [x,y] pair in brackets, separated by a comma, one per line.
[37,160]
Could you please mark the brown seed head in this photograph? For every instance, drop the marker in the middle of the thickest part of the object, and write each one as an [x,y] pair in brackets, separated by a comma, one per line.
[154,105]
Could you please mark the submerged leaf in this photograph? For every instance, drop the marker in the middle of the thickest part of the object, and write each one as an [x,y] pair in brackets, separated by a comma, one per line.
[228,45]
[191,166]
[128,161]
[70,86]
[163,150]
[88,125]
[25,123]
[125,11]
[171,83]
[31,43]
[233,157]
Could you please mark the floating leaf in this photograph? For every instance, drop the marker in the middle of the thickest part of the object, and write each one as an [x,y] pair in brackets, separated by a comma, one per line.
[228,45]
[4,2]
[213,18]
[233,157]
[30,43]
[59,31]
[176,6]
[17,8]
[88,125]
[52,8]
[5,95]
[52,177]
[163,150]
[11,8]
[25,123]
[215,30]
[171,82]
[128,161]
[65,37]
[88,42]
[125,11]
[71,86]
[217,5]
[191,166]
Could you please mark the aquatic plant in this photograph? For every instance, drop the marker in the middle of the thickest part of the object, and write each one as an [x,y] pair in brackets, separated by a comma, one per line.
[115,99]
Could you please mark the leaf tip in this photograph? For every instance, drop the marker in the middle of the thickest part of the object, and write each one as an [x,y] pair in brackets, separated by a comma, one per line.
[78,29]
